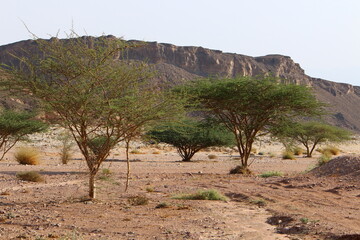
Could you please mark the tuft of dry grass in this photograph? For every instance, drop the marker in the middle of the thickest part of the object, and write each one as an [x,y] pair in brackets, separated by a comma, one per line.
[324,158]
[138,200]
[30,176]
[135,151]
[156,152]
[212,156]
[241,170]
[27,156]
[298,151]
[288,155]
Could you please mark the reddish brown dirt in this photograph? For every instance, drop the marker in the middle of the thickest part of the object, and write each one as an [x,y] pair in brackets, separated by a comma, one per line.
[300,206]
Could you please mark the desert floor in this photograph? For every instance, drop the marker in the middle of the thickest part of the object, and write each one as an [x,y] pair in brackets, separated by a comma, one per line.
[297,205]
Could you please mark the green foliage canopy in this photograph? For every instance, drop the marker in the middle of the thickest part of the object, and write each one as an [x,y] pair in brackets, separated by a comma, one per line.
[190,136]
[249,106]
[310,134]
[93,89]
[15,126]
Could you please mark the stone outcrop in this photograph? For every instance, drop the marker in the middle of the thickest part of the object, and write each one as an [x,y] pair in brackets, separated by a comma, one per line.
[176,65]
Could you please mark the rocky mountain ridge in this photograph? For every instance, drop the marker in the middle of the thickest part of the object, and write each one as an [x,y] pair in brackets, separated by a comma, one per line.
[178,64]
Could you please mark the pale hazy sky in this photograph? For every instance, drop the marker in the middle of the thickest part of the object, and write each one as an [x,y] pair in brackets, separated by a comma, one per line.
[323,36]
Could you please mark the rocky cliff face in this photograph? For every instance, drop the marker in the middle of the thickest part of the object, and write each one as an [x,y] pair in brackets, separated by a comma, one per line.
[176,65]
[205,62]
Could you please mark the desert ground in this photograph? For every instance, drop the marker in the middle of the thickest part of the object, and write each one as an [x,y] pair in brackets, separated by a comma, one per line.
[301,204]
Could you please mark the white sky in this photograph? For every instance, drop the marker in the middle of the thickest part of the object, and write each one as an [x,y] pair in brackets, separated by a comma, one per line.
[323,36]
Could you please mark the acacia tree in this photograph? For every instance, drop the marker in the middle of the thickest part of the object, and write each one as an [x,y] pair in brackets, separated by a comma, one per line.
[248,106]
[310,134]
[95,92]
[15,126]
[190,136]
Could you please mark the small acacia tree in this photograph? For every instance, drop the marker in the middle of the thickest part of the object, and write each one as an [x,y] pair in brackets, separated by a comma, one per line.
[15,126]
[190,136]
[310,134]
[248,106]
[98,95]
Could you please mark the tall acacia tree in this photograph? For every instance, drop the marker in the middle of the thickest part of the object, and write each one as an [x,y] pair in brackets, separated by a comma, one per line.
[189,136]
[16,126]
[249,106]
[310,134]
[96,93]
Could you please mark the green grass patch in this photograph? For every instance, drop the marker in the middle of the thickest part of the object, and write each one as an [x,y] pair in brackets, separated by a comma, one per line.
[271,174]
[210,194]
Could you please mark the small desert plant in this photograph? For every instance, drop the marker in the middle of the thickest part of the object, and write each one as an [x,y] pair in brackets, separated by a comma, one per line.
[31,176]
[260,202]
[138,200]
[254,150]
[324,158]
[240,170]
[212,156]
[106,171]
[66,145]
[150,189]
[136,151]
[330,150]
[163,205]
[105,174]
[203,195]
[271,174]
[272,155]
[27,156]
[298,151]
[304,220]
[156,152]
[288,155]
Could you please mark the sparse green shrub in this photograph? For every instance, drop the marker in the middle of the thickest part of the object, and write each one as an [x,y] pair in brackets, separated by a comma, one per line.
[304,220]
[271,174]
[288,155]
[260,202]
[150,189]
[138,200]
[65,150]
[105,174]
[298,151]
[330,150]
[31,176]
[163,205]
[136,151]
[324,158]
[27,156]
[106,171]
[203,195]
[241,170]
[272,155]
[212,156]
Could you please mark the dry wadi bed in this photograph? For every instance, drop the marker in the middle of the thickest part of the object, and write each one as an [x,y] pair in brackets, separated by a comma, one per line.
[296,206]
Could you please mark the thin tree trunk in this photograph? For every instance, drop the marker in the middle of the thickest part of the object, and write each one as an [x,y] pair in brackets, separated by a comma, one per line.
[92,186]
[128,166]
[308,153]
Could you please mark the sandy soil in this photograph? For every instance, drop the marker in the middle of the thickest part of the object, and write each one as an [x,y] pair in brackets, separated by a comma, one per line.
[295,206]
